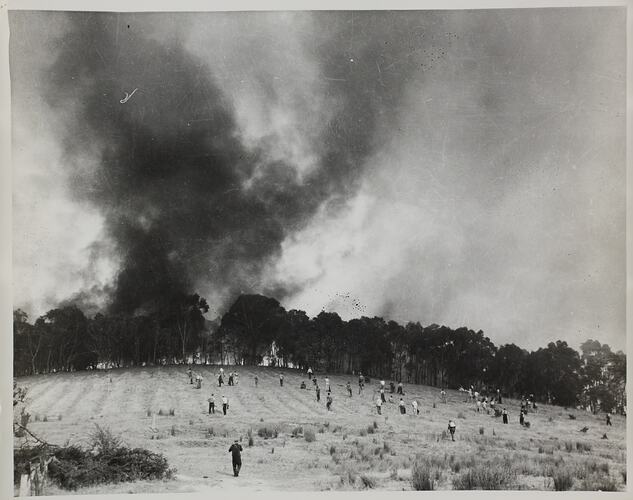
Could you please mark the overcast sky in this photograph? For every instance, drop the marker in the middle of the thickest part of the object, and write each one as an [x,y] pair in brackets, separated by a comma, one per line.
[464,168]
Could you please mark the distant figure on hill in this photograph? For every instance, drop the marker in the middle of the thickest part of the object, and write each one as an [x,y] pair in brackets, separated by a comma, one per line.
[256,380]
[225,404]
[309,373]
[349,389]
[608,419]
[211,405]
[382,394]
[236,450]
[327,384]
[220,380]
[504,414]
[451,429]
[303,385]
[416,410]
[392,387]
[281,379]
[403,408]
[190,373]
[198,381]
[318,393]
[379,406]
[328,403]
[400,389]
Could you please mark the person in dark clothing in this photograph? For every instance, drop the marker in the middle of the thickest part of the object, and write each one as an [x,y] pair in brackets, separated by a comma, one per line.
[190,373]
[400,389]
[504,414]
[303,385]
[256,380]
[328,403]
[318,393]
[349,389]
[236,451]
[220,380]
[522,418]
[230,378]
[225,404]
[211,405]
[392,387]
[382,395]
[609,419]
[451,429]
[281,379]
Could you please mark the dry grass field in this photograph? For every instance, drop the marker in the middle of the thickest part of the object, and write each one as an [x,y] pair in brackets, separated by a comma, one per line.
[353,447]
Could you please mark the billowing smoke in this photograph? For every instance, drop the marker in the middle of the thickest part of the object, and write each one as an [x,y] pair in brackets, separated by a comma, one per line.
[188,199]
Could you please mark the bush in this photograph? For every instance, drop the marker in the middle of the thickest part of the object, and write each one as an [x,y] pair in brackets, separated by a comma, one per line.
[296,432]
[267,432]
[375,425]
[484,478]
[309,435]
[563,479]
[73,467]
[172,412]
[481,431]
[161,412]
[332,450]
[103,441]
[363,432]
[580,446]
[599,483]
[569,446]
[371,429]
[422,477]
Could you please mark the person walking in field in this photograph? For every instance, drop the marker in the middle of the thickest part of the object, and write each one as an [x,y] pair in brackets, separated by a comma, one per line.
[309,373]
[256,380]
[522,418]
[400,389]
[328,401]
[225,404]
[236,451]
[303,384]
[327,384]
[443,395]
[281,379]
[220,380]
[212,405]
[349,389]
[230,379]
[451,429]
[504,415]
[198,381]
[608,418]
[318,393]
[361,383]
[478,406]
[416,410]
[498,396]
[403,408]
[382,394]
[190,373]
[235,378]
[379,406]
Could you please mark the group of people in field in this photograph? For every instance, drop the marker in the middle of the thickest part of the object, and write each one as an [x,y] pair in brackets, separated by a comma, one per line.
[483,402]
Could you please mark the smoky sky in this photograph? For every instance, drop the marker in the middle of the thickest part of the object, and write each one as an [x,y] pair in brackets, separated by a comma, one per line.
[451,167]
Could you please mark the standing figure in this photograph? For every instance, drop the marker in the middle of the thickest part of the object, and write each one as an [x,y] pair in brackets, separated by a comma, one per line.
[220,380]
[328,403]
[382,395]
[400,389]
[361,382]
[225,404]
[256,380]
[522,418]
[403,408]
[443,395]
[392,387]
[498,396]
[235,450]
[327,384]
[451,429]
[504,414]
[318,393]
[190,373]
[416,410]
[230,379]
[281,379]
[349,389]
[211,405]
[309,373]
[379,406]
[608,419]
[198,381]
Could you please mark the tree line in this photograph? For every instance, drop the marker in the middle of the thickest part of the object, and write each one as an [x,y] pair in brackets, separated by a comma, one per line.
[257,328]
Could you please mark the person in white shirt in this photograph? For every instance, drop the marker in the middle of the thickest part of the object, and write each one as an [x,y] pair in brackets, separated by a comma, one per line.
[416,411]
[451,429]
[225,404]
[379,406]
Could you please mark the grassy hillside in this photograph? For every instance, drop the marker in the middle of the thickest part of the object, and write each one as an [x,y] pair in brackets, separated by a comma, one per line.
[354,448]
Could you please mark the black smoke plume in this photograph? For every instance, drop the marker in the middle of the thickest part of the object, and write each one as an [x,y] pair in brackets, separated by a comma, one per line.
[172,177]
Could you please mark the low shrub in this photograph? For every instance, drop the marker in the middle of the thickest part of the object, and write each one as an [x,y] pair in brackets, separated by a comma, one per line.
[422,477]
[484,477]
[375,425]
[363,432]
[371,429]
[309,435]
[172,431]
[172,412]
[367,482]
[569,446]
[599,483]
[563,478]
[296,432]
[481,431]
[332,449]
[267,432]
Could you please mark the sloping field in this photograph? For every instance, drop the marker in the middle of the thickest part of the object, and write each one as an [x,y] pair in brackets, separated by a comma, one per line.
[354,447]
